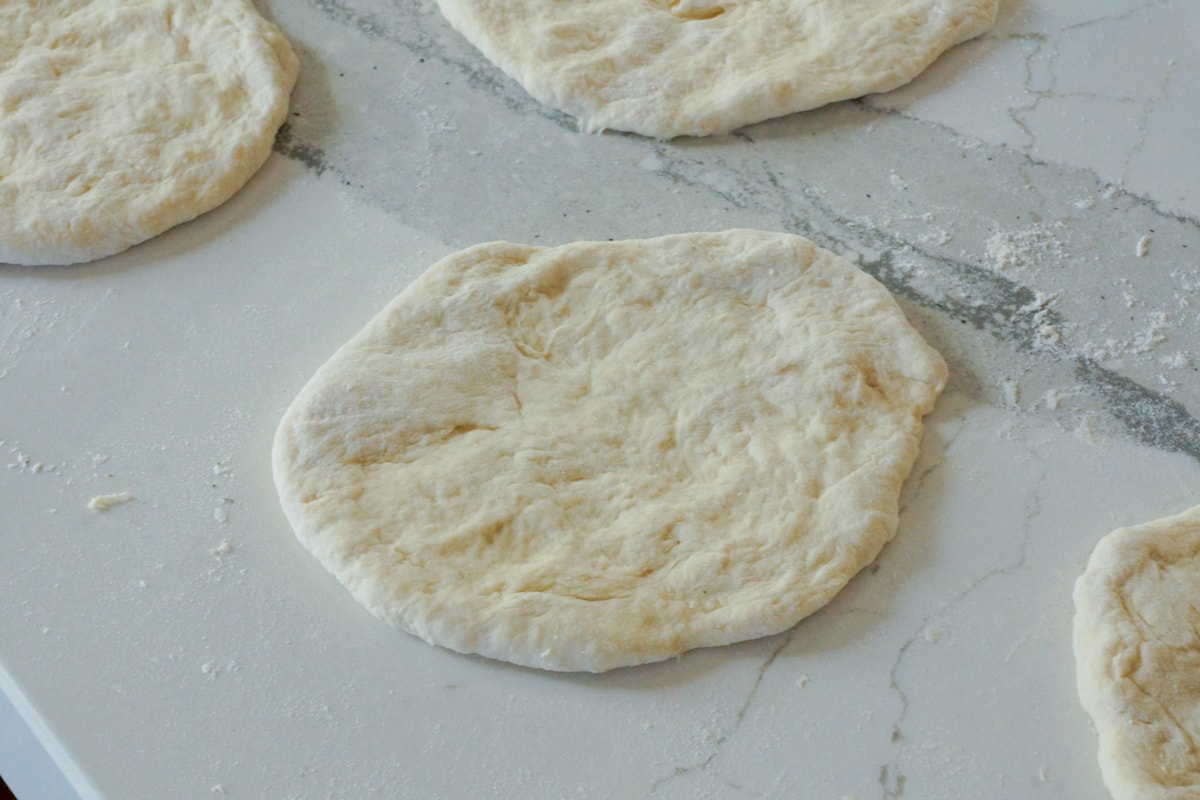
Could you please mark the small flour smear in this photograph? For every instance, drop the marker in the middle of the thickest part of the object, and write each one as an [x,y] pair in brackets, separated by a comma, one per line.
[1050,335]
[1012,392]
[223,549]
[1089,431]
[1143,246]
[103,502]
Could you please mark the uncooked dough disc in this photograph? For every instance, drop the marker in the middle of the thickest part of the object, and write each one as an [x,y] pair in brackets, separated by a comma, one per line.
[1137,650]
[119,120]
[607,453]
[668,68]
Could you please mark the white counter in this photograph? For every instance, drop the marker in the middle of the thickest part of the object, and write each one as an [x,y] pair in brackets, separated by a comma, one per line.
[1033,200]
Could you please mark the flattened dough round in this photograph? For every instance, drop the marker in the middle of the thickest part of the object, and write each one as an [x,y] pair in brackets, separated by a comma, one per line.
[607,453]
[120,120]
[1137,651]
[668,68]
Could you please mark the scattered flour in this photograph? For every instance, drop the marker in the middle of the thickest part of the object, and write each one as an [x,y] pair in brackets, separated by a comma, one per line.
[1158,325]
[936,237]
[1014,251]
[221,550]
[25,463]
[1178,360]
[1085,203]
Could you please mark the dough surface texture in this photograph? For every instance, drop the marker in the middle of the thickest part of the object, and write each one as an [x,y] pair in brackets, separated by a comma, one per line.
[667,68]
[119,120]
[607,453]
[1137,651]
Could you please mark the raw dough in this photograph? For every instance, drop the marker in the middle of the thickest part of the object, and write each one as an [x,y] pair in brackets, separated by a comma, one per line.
[608,453]
[119,120]
[1137,649]
[669,68]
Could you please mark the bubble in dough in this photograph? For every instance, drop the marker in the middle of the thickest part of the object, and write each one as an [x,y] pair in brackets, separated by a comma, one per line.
[667,68]
[607,453]
[119,120]
[1137,654]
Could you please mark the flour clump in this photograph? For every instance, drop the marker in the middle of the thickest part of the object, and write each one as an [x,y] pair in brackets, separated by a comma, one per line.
[607,453]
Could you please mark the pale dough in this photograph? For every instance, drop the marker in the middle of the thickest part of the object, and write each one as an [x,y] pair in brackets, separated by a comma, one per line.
[668,68]
[1137,649]
[607,453]
[119,120]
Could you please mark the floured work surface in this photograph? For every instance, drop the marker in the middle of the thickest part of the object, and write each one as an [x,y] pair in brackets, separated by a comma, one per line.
[604,454]
[1138,657]
[669,68]
[121,120]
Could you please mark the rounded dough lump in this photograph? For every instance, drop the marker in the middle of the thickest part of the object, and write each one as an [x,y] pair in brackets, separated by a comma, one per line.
[667,68]
[1137,651]
[120,120]
[607,453]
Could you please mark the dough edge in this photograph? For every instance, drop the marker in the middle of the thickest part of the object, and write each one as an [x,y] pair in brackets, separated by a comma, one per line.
[777,88]
[1099,631]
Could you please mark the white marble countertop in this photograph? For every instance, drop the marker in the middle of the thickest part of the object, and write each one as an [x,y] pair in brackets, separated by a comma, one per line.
[1033,200]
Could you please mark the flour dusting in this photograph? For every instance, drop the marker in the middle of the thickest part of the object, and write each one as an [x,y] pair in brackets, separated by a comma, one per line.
[1035,246]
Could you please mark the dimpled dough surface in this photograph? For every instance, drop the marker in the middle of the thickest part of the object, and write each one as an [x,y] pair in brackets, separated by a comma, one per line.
[668,68]
[604,454]
[1137,649]
[119,120]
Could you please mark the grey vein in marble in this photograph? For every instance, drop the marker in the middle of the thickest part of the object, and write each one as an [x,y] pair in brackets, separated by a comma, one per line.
[892,777]
[739,718]
[786,174]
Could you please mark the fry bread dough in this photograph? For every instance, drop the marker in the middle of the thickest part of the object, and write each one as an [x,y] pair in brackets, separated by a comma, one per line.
[1137,650]
[120,120]
[607,453]
[668,68]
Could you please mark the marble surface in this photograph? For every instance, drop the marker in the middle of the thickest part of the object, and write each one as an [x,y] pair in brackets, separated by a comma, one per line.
[1033,200]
